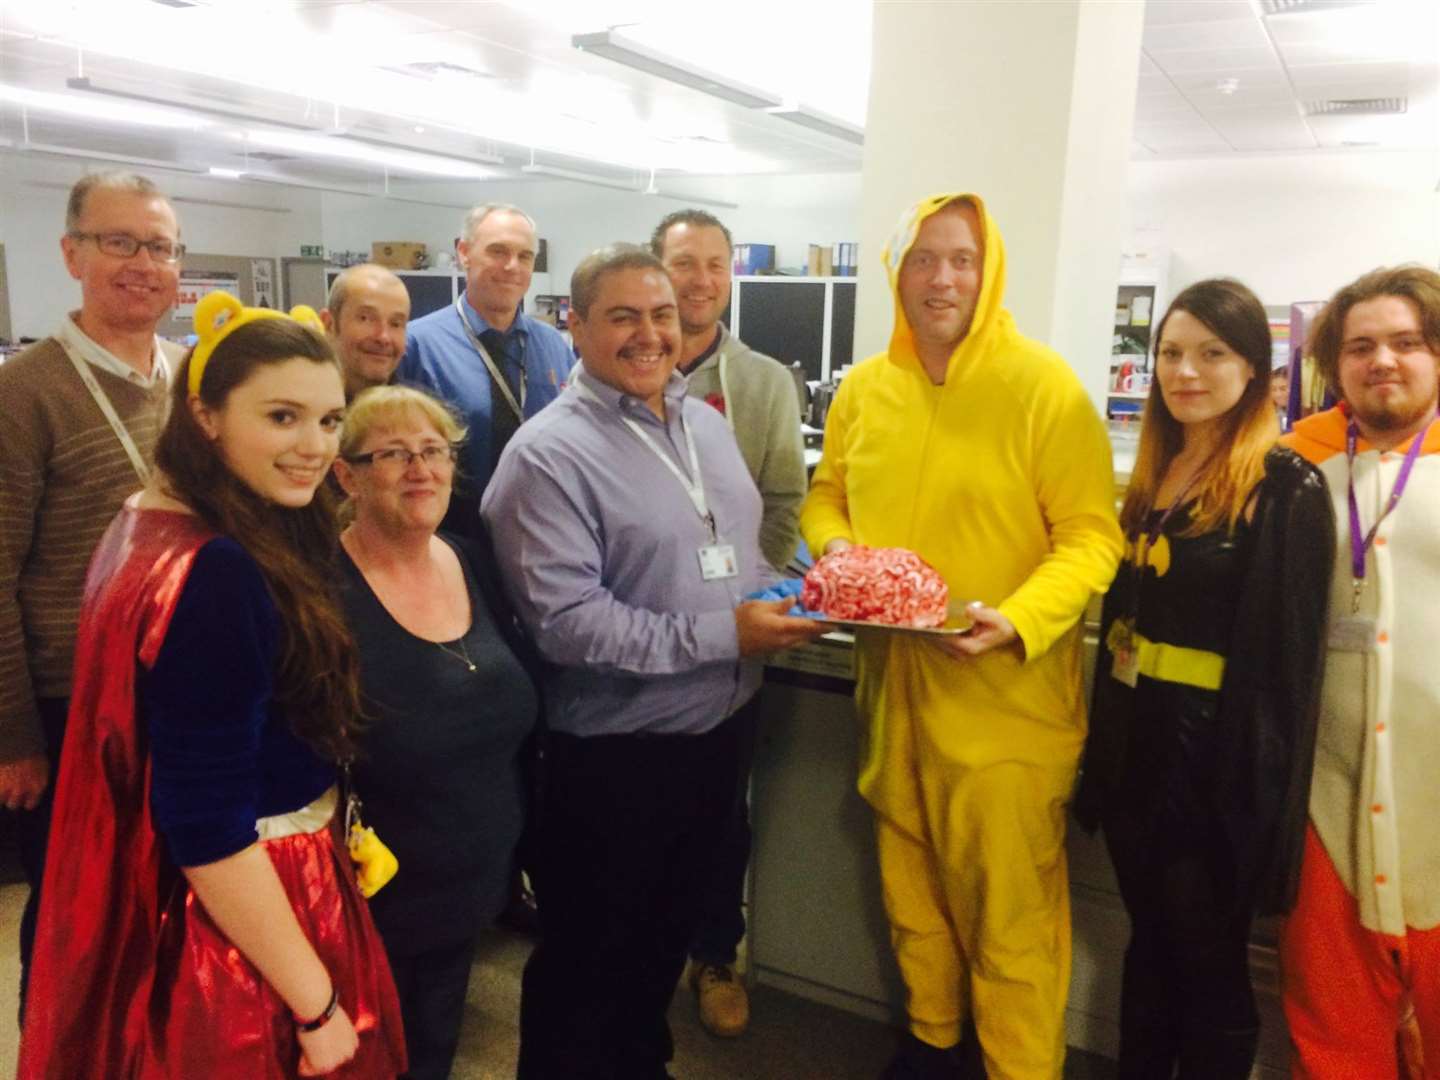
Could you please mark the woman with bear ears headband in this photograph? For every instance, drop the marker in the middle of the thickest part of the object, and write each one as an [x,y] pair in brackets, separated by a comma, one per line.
[204,920]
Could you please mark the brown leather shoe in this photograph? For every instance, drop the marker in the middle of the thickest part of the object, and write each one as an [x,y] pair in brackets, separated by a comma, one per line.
[724,1004]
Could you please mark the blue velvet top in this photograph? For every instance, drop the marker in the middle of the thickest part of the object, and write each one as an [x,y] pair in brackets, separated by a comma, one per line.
[222,755]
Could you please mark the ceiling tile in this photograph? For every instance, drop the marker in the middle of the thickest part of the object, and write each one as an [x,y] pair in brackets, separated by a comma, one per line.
[1342,52]
[1149,113]
[1193,60]
[1349,72]
[1249,79]
[1242,97]
[1156,83]
[1252,113]
[1171,12]
[1163,142]
[1271,137]
[1227,34]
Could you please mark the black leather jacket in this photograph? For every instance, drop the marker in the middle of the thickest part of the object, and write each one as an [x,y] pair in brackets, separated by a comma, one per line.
[1269,695]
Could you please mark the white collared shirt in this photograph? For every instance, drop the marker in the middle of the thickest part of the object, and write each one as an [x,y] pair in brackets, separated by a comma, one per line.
[80,344]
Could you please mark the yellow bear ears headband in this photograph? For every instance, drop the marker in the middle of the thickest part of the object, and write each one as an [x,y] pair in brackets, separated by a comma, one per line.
[218,314]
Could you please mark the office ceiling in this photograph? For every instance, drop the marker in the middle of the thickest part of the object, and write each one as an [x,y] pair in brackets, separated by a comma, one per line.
[1236,76]
[337,93]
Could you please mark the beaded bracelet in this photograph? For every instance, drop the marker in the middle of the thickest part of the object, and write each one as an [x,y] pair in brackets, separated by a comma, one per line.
[305,1027]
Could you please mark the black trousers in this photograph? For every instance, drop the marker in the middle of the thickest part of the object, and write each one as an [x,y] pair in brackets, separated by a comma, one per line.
[1186,1003]
[32,829]
[432,986]
[627,827]
[722,916]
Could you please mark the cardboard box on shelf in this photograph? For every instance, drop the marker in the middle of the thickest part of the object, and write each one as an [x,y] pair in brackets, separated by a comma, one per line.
[398,254]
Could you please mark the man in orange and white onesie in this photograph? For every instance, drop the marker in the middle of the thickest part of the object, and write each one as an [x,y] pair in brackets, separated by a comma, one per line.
[979,449]
[1362,947]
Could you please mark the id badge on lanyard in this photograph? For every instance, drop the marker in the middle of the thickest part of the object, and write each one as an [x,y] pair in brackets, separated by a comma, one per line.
[1124,656]
[718,562]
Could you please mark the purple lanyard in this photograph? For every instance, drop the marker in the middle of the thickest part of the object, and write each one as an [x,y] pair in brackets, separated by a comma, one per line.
[1358,546]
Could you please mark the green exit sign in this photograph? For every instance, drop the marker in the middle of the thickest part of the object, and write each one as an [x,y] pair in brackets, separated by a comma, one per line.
[312,251]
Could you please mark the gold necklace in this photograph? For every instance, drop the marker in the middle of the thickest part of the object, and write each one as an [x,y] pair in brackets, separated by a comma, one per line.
[463,656]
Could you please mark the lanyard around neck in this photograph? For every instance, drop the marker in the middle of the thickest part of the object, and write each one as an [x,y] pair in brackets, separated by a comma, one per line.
[694,488]
[1360,544]
[117,425]
[517,407]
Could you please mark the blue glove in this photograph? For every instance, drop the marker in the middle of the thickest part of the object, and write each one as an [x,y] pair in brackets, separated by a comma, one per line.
[787,589]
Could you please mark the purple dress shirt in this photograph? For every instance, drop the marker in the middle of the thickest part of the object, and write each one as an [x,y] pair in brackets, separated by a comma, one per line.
[598,545]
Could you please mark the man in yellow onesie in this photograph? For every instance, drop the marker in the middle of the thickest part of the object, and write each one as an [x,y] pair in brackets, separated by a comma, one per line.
[979,449]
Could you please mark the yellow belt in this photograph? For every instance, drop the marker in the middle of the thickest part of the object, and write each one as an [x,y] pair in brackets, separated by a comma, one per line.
[1176,663]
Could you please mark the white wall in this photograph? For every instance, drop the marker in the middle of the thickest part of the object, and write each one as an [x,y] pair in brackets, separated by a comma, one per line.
[217,218]
[239,218]
[791,212]
[1292,227]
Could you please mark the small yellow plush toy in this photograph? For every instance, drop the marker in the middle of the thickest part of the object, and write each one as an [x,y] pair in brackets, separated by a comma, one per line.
[375,864]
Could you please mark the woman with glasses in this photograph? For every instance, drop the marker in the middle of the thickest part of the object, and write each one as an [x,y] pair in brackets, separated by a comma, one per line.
[1202,729]
[448,704]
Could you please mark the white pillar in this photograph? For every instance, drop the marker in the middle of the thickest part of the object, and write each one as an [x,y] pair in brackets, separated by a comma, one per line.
[1028,103]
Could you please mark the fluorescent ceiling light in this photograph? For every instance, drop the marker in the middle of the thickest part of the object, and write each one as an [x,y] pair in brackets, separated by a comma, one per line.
[51,150]
[579,177]
[695,200]
[821,122]
[1306,7]
[350,150]
[113,112]
[84,83]
[227,174]
[623,50]
[620,185]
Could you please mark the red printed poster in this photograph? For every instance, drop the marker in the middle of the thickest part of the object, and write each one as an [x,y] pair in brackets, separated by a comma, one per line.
[197,283]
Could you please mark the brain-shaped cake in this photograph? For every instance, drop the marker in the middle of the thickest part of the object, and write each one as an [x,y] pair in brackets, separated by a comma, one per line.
[886,585]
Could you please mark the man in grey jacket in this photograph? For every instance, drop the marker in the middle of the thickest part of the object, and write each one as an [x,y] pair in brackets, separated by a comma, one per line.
[756,395]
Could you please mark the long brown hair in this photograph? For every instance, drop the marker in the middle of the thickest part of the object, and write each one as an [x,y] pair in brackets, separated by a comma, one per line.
[1235,315]
[317,685]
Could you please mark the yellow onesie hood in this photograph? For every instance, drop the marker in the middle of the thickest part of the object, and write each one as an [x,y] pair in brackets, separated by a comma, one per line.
[991,323]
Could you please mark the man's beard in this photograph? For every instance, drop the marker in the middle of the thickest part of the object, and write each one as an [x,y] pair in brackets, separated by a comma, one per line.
[1392,417]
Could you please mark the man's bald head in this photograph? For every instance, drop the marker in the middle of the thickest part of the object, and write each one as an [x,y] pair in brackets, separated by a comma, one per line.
[366,314]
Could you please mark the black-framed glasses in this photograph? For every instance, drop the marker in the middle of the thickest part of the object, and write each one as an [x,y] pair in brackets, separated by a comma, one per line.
[397,457]
[124,246]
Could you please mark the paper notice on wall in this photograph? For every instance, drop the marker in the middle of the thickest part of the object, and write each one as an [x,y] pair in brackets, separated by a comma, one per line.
[262,273]
[1140,311]
[195,284]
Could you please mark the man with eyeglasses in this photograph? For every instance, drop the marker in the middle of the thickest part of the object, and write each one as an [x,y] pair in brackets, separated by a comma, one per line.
[81,414]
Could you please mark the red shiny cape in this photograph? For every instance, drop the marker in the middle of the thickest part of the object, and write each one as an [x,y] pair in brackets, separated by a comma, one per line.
[130,978]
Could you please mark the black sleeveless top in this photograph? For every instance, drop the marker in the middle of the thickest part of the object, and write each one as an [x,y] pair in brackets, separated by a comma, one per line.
[440,776]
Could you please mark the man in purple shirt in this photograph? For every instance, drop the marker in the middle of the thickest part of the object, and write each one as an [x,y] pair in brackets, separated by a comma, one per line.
[627,529]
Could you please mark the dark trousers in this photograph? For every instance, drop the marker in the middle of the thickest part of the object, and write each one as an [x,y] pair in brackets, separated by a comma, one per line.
[626,830]
[722,916]
[432,989]
[32,830]
[1186,1001]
